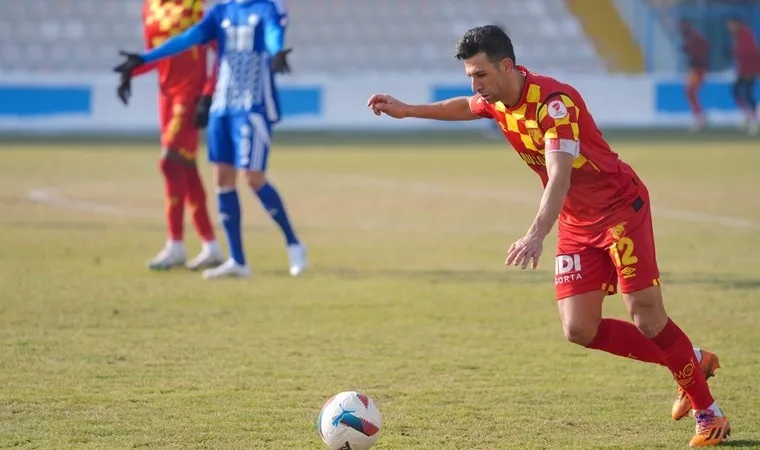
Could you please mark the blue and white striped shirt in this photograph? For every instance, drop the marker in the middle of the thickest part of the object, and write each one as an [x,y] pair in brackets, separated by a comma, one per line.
[249,33]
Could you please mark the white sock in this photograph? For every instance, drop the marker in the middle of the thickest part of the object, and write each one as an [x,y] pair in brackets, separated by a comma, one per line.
[212,246]
[176,244]
[698,354]
[716,409]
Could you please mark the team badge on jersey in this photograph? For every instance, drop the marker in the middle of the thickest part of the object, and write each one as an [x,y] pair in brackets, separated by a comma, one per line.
[536,135]
[557,109]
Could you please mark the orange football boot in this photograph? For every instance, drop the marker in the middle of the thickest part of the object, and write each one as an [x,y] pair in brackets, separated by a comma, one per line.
[682,405]
[711,429]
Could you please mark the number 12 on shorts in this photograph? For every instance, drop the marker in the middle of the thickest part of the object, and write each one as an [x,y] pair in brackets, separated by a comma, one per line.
[622,252]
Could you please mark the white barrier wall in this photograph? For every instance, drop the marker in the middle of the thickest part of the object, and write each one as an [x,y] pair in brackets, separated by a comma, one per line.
[88,103]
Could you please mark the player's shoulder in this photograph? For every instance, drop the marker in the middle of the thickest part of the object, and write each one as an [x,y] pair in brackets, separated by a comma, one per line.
[234,7]
[219,7]
[281,6]
[553,87]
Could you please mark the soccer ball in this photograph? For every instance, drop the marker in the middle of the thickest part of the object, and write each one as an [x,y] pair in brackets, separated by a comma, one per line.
[349,421]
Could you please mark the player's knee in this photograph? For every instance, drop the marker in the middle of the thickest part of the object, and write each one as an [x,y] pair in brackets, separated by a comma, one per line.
[650,323]
[647,311]
[256,180]
[580,333]
[169,166]
[224,175]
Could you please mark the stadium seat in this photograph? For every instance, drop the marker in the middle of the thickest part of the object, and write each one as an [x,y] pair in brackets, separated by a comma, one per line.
[330,36]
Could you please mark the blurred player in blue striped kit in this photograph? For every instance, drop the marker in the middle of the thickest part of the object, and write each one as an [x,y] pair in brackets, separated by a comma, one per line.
[250,35]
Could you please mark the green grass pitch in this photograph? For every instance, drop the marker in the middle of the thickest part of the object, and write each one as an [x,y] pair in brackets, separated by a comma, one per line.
[407,300]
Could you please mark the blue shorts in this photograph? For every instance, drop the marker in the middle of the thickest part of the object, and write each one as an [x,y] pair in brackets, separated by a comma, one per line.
[240,140]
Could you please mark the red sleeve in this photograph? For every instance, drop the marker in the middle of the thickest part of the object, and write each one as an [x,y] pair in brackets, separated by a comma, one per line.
[559,119]
[148,45]
[208,87]
[480,107]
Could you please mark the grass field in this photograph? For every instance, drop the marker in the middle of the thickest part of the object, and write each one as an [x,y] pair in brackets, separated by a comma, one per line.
[407,300]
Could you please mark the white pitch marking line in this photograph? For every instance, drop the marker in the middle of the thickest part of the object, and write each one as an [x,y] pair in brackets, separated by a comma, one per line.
[530,199]
[47,196]
[50,197]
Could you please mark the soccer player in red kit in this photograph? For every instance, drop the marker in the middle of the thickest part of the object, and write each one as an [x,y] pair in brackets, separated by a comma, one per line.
[184,101]
[605,238]
[747,56]
[696,49]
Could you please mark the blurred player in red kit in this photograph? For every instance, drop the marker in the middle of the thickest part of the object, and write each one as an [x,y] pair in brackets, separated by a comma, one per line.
[747,57]
[184,101]
[605,237]
[696,48]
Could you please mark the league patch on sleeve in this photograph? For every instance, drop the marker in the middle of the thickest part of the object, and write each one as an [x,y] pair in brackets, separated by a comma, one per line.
[557,109]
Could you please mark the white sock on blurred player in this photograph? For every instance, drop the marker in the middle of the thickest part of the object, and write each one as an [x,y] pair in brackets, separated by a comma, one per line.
[210,256]
[297,258]
[173,254]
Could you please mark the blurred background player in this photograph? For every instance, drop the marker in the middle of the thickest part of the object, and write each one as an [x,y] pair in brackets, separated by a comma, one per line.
[747,58]
[184,100]
[696,49]
[250,46]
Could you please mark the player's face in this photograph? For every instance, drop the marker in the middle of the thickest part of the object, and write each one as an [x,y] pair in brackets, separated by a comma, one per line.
[732,26]
[489,79]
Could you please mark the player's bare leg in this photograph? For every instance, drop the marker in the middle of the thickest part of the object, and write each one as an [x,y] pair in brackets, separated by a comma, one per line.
[581,316]
[273,204]
[693,85]
[225,177]
[648,313]
[582,323]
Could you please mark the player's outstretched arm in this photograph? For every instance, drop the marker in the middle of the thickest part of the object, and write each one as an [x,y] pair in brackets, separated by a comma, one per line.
[200,33]
[274,38]
[457,108]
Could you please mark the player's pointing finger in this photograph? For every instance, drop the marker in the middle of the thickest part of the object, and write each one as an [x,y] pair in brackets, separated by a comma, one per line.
[377,98]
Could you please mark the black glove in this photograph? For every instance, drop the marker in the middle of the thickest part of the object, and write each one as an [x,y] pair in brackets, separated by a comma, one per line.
[132,62]
[280,62]
[202,107]
[124,91]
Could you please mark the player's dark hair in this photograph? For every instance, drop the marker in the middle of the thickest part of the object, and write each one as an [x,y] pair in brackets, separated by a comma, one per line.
[490,40]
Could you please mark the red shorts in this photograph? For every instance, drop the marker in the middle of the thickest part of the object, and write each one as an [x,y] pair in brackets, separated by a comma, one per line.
[621,255]
[178,133]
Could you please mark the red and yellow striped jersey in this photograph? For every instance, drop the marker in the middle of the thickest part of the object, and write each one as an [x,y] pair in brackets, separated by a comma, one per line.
[185,74]
[602,187]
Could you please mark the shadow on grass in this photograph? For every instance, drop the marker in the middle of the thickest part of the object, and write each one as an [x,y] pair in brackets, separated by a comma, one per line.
[749,443]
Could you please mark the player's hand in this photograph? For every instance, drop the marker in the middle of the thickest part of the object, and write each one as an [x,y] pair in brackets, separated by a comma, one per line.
[132,62]
[386,104]
[124,90]
[525,251]
[202,108]
[280,61]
